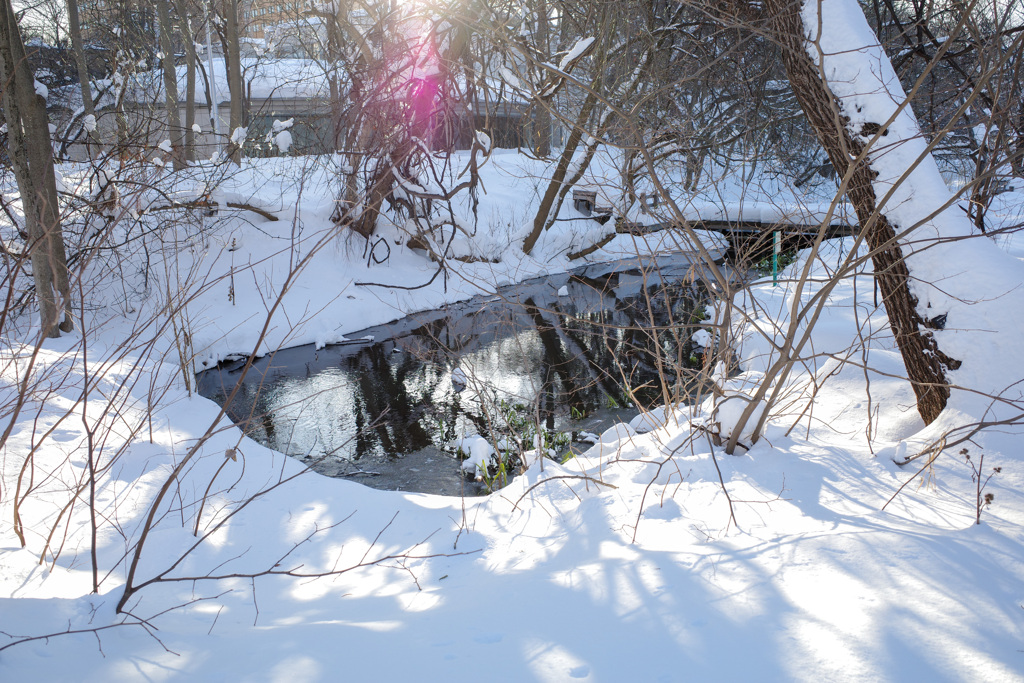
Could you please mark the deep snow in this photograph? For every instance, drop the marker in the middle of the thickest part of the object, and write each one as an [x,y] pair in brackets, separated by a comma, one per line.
[622,564]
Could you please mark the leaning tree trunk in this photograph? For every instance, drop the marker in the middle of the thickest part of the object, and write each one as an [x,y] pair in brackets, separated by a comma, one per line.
[846,142]
[547,202]
[31,157]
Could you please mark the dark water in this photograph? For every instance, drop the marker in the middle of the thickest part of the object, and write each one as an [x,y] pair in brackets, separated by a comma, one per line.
[380,409]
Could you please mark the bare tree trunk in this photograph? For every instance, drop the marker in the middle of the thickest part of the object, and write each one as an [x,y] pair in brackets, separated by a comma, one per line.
[357,140]
[334,57]
[540,221]
[122,137]
[88,108]
[188,37]
[337,114]
[31,157]
[541,112]
[234,73]
[174,131]
[926,364]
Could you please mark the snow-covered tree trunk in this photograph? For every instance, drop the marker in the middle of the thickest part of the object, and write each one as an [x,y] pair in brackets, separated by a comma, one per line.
[852,97]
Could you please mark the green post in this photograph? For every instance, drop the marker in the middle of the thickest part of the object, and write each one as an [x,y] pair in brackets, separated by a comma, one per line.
[776,250]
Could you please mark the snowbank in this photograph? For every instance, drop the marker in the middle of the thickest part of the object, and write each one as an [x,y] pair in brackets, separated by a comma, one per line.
[652,556]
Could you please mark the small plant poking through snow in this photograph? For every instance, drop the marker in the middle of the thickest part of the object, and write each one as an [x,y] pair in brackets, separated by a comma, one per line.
[520,442]
[982,499]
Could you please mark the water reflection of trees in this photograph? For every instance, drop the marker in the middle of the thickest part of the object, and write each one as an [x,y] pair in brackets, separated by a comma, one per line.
[621,337]
[393,397]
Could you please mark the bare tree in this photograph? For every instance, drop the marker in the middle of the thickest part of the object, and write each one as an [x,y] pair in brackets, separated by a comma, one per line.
[32,159]
[542,112]
[171,110]
[188,38]
[233,63]
[88,107]
[848,150]
[982,67]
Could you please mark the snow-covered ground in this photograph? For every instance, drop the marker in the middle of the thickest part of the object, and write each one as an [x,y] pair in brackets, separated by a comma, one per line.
[626,563]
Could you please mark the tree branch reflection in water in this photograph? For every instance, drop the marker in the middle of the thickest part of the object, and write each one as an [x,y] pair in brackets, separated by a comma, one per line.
[617,338]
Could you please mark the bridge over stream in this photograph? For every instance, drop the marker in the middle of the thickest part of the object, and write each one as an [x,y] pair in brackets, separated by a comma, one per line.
[750,238]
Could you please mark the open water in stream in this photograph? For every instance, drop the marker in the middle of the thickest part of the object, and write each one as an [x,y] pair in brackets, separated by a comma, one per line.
[382,408]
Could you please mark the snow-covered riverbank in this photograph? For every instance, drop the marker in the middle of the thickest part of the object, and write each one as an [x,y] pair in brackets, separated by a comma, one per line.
[653,556]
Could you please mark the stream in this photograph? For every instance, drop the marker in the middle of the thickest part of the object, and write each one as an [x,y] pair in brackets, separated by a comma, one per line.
[553,355]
